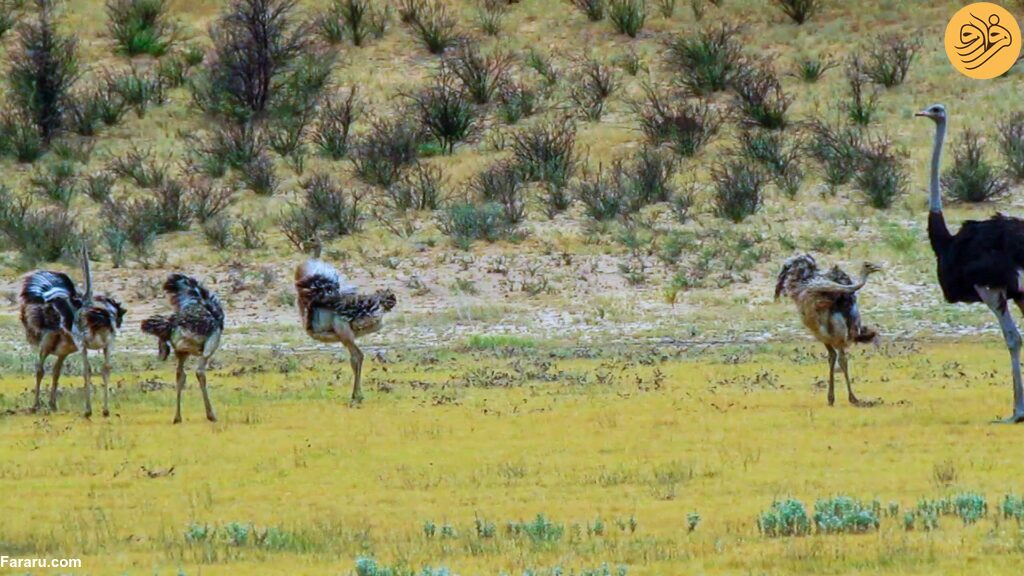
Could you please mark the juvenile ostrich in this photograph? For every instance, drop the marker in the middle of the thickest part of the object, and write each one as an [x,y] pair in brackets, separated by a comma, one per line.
[60,321]
[982,262]
[333,311]
[828,308]
[193,329]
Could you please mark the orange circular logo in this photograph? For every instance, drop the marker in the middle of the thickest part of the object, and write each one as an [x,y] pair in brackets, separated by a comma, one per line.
[983,40]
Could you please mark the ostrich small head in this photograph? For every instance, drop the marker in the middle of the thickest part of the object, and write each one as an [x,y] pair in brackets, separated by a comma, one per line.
[936,112]
[796,269]
[869,268]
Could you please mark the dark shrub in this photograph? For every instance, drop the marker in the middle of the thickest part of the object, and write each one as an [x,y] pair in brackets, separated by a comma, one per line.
[56,182]
[627,16]
[738,189]
[83,115]
[780,159]
[541,64]
[43,69]
[799,11]
[647,177]
[434,25]
[322,212]
[334,125]
[759,97]
[206,199]
[421,188]
[140,26]
[217,232]
[171,207]
[445,111]
[409,10]
[594,9]
[1011,144]
[99,185]
[546,152]
[667,8]
[386,150]
[466,222]
[503,185]
[38,234]
[260,176]
[139,165]
[709,61]
[810,69]
[836,149]
[135,88]
[594,83]
[971,178]
[489,15]
[172,71]
[881,174]
[224,146]
[889,58]
[516,101]
[19,137]
[602,196]
[684,125]
[251,233]
[481,75]
[356,19]
[256,46]
[10,11]
[863,100]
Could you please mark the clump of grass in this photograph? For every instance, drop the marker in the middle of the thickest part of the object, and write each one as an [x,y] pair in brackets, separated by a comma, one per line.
[260,175]
[648,176]
[627,16]
[810,69]
[140,26]
[785,518]
[799,11]
[322,211]
[43,68]
[140,166]
[759,97]
[517,100]
[481,75]
[845,515]
[708,62]
[836,149]
[444,110]
[781,159]
[594,83]
[136,89]
[56,182]
[540,531]
[683,124]
[738,189]
[667,8]
[1011,144]
[20,137]
[467,222]
[889,58]
[356,20]
[496,341]
[594,9]
[435,26]
[502,184]
[881,174]
[218,232]
[489,15]
[38,234]
[546,152]
[421,188]
[391,145]
[99,186]
[541,64]
[971,178]
[334,125]
[863,99]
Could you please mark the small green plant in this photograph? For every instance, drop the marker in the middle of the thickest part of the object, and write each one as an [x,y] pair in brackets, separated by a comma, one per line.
[467,222]
[889,58]
[971,178]
[845,515]
[692,521]
[435,25]
[541,531]
[627,16]
[1011,144]
[594,9]
[799,11]
[810,69]
[140,26]
[738,189]
[862,102]
[881,175]
[593,83]
[785,518]
[708,62]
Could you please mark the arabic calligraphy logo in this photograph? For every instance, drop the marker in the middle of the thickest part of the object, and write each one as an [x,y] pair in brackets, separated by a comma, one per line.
[983,40]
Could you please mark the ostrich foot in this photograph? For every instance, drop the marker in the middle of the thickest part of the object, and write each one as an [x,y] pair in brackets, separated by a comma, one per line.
[871,403]
[53,406]
[106,413]
[88,414]
[1017,418]
[831,400]
[177,419]
[211,416]
[35,408]
[356,401]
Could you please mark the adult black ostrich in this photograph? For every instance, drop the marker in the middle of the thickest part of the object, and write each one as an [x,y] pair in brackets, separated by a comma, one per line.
[983,262]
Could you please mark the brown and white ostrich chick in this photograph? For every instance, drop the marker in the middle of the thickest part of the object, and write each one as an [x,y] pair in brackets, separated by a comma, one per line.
[194,329]
[332,310]
[60,321]
[828,308]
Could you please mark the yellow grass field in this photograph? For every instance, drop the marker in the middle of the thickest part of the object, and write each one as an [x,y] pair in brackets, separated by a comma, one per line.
[637,442]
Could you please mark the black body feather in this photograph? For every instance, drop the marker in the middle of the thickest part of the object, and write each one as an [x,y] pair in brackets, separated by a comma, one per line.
[987,253]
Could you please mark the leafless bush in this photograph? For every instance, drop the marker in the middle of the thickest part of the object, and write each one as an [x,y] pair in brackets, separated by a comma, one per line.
[759,97]
[334,125]
[502,184]
[207,199]
[481,75]
[683,124]
[421,188]
[889,58]
[594,83]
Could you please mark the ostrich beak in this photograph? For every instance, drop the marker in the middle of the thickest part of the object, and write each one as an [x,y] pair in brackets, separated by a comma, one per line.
[923,113]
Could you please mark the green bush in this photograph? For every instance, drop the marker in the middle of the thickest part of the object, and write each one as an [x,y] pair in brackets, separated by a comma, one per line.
[466,222]
[140,26]
[785,518]
[845,515]
[971,178]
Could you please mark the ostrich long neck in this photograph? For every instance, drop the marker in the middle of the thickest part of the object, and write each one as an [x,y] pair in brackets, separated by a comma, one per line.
[938,233]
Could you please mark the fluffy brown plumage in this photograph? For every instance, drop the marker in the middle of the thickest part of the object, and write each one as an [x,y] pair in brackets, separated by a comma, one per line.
[193,329]
[827,303]
[332,310]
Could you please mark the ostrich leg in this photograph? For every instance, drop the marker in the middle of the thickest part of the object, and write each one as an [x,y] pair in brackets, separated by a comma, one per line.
[180,386]
[997,302]
[348,338]
[201,376]
[87,375]
[58,365]
[40,372]
[831,374]
[846,374]
[106,380]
